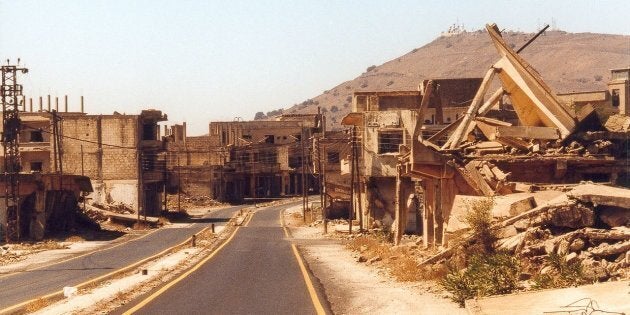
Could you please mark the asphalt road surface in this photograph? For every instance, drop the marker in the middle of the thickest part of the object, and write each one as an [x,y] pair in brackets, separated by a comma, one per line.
[24,286]
[257,272]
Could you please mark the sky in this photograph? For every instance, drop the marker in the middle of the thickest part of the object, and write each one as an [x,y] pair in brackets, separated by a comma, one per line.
[202,61]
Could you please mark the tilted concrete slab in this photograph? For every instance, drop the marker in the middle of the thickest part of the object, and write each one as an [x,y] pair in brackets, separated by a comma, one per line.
[602,195]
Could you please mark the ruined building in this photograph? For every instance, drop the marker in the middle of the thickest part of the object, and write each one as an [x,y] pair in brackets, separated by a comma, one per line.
[123,155]
[385,121]
[425,154]
[192,162]
[48,198]
[331,162]
[487,153]
[264,159]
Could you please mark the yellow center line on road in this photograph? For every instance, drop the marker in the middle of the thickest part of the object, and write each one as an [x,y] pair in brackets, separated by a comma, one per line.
[185,274]
[319,308]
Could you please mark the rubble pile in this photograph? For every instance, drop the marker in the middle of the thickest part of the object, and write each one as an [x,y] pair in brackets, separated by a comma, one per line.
[589,225]
[190,201]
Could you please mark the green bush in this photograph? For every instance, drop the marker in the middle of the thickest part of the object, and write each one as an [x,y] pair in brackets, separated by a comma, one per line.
[485,275]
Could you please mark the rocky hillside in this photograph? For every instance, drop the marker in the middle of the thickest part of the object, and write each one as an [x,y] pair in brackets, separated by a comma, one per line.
[568,62]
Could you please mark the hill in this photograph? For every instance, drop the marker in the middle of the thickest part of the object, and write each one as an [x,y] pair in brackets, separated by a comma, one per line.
[568,62]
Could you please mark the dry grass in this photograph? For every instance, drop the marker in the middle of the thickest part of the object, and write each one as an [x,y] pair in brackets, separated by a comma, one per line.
[401,261]
[75,239]
[39,246]
[36,305]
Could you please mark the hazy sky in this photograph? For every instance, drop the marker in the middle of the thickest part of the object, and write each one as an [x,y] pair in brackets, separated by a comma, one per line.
[201,61]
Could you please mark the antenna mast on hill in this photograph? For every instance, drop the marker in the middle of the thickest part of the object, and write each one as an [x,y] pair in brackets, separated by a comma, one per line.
[10,92]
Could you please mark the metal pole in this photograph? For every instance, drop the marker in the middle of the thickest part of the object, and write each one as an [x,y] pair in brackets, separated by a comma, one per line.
[321,183]
[533,38]
[351,212]
[179,186]
[303,177]
[82,167]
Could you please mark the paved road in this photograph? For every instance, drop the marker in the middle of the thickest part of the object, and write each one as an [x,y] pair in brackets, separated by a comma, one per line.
[255,273]
[27,285]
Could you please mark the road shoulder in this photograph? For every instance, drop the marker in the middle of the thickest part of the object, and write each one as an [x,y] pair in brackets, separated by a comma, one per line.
[354,288]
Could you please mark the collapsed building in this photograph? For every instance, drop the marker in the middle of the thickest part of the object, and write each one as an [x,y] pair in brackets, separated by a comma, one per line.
[385,121]
[419,171]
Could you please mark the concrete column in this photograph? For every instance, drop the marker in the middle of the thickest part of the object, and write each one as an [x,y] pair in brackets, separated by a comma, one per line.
[427,217]
[38,224]
[252,186]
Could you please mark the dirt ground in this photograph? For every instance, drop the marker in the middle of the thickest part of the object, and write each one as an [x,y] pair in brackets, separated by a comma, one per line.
[358,288]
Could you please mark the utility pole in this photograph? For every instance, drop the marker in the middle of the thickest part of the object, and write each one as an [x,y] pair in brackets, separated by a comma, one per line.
[57,147]
[10,92]
[352,172]
[304,196]
[179,186]
[357,172]
[318,147]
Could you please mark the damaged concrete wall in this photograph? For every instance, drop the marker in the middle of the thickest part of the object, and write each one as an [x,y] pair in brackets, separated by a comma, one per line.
[108,156]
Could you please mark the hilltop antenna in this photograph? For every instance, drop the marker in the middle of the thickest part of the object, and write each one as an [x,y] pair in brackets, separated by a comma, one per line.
[10,92]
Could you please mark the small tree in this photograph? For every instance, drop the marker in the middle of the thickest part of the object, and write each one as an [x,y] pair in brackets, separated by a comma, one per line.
[259,115]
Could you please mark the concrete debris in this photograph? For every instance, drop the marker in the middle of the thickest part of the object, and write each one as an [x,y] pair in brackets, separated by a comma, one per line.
[616,123]
[605,249]
[573,215]
[614,217]
[601,195]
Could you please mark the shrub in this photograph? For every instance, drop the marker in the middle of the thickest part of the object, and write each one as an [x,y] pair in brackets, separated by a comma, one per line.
[259,115]
[334,109]
[479,219]
[370,68]
[562,275]
[485,275]
[390,83]
[598,77]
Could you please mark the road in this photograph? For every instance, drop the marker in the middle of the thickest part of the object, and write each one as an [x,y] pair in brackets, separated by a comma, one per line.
[256,272]
[24,286]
